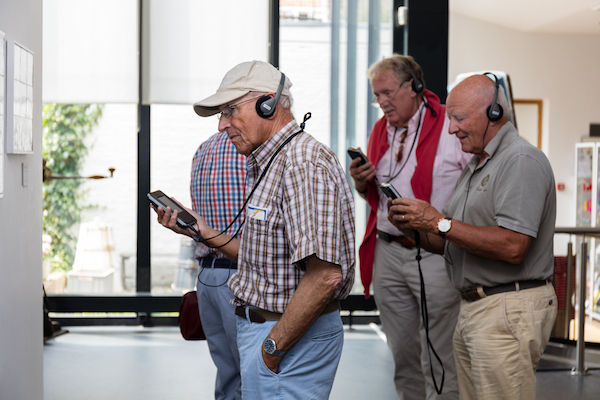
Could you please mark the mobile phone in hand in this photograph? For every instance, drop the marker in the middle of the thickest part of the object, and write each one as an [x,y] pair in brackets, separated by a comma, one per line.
[389,190]
[356,152]
[159,199]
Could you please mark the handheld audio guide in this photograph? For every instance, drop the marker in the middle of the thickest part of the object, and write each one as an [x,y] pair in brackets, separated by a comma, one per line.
[159,199]
[389,190]
[356,152]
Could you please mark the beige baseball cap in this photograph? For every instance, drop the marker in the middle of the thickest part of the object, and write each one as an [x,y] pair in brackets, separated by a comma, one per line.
[257,76]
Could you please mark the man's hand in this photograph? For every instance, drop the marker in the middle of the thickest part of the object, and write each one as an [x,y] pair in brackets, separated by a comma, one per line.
[271,361]
[212,238]
[407,214]
[361,175]
[311,297]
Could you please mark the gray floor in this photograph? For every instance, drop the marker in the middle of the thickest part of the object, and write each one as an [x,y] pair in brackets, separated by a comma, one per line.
[114,363]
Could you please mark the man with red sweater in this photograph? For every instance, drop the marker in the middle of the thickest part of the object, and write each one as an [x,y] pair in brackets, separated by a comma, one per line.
[411,149]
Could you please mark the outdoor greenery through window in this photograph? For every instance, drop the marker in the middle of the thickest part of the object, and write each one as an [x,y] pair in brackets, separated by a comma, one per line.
[65,128]
[89,224]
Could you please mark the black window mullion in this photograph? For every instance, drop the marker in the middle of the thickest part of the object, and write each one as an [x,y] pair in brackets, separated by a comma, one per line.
[142,276]
[143,211]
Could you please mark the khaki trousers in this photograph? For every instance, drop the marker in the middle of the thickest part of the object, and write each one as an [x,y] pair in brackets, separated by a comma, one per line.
[397,293]
[499,341]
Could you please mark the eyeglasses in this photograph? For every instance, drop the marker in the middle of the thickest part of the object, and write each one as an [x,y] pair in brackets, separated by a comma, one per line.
[387,94]
[227,111]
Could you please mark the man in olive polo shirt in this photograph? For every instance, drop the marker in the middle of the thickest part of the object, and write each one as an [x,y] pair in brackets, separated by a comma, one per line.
[496,235]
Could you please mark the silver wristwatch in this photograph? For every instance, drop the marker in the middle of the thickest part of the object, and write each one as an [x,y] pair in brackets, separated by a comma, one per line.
[271,348]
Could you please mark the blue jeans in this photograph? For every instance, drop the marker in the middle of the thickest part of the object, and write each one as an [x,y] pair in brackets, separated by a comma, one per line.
[219,324]
[306,371]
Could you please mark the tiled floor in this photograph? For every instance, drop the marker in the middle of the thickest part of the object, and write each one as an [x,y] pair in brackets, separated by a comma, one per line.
[115,363]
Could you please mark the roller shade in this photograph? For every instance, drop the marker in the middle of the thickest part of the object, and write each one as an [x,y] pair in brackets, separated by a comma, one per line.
[91,48]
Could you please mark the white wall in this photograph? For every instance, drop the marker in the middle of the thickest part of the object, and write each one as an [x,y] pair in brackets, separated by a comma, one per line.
[560,69]
[21,230]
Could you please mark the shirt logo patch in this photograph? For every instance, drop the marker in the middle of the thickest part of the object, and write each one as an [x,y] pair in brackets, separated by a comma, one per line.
[259,213]
[483,183]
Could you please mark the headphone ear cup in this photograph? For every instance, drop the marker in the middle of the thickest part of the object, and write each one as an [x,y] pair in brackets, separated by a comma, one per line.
[494,112]
[417,85]
[264,106]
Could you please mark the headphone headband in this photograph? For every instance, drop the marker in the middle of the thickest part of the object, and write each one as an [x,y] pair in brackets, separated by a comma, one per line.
[417,85]
[494,111]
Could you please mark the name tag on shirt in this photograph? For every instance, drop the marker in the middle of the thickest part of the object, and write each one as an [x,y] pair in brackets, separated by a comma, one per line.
[256,212]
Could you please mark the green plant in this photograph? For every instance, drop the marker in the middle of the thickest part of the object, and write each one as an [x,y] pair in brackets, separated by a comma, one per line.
[65,127]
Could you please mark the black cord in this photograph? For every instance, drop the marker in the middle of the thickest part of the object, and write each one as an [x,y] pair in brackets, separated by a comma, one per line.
[202,268]
[425,318]
[389,177]
[198,237]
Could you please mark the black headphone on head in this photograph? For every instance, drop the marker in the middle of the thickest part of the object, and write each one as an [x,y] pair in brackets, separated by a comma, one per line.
[265,105]
[494,111]
[417,85]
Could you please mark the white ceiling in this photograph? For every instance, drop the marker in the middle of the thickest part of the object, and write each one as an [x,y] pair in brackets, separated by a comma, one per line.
[543,16]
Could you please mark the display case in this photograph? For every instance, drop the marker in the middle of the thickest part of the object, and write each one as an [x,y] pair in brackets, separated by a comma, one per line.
[587,214]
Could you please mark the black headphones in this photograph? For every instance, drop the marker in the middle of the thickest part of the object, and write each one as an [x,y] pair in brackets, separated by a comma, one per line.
[494,111]
[265,105]
[417,85]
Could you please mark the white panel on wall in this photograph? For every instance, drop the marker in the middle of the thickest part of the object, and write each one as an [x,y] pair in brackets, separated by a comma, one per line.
[19,99]
[2,108]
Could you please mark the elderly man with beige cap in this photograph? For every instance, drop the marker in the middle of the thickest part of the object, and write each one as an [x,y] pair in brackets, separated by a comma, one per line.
[296,256]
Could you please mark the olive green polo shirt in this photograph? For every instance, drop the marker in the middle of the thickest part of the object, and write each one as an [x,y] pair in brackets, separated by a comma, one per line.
[512,188]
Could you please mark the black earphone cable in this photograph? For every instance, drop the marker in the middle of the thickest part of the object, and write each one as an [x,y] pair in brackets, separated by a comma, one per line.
[202,268]
[425,319]
[198,237]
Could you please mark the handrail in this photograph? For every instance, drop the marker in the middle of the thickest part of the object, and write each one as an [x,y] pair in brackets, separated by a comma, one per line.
[578,230]
[584,231]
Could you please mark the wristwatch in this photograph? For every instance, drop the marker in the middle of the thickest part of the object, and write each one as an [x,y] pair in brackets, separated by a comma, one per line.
[444,225]
[271,348]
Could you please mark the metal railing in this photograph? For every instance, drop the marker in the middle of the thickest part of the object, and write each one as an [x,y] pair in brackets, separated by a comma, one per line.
[584,233]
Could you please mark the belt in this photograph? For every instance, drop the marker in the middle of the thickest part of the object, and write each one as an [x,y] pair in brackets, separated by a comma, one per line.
[216,262]
[479,292]
[259,315]
[402,240]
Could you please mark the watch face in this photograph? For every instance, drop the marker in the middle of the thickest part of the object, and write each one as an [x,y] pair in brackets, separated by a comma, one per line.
[269,345]
[444,225]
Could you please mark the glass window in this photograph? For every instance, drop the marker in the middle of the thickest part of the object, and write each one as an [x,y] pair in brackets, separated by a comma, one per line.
[176,134]
[305,50]
[96,253]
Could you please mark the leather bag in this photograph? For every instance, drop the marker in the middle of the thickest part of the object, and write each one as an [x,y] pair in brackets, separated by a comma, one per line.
[190,325]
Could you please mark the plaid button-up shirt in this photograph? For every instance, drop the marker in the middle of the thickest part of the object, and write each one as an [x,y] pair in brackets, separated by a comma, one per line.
[217,185]
[303,207]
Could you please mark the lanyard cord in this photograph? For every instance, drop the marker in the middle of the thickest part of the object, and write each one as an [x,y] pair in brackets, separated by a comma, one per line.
[391,178]
[198,237]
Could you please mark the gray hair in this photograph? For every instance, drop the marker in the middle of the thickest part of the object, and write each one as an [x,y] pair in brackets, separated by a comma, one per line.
[403,67]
